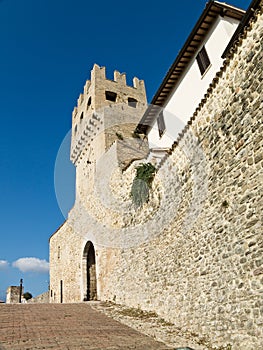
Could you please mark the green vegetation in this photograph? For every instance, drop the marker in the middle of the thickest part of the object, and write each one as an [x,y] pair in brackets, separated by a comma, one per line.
[136,135]
[138,313]
[27,296]
[142,183]
[120,137]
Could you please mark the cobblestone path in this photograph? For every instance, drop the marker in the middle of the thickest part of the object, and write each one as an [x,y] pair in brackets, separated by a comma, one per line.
[67,327]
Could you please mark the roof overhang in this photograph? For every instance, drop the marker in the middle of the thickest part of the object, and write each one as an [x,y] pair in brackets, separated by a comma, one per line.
[211,12]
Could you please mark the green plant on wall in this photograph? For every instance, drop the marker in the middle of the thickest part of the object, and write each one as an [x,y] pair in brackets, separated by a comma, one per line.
[142,183]
[136,135]
[27,296]
[120,137]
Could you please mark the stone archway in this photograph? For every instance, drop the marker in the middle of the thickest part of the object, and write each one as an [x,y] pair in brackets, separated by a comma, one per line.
[89,272]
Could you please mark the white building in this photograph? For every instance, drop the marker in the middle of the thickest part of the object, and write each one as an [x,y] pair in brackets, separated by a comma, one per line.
[189,77]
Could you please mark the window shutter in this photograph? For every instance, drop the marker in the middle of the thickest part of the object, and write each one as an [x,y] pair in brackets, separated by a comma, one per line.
[161,124]
[203,60]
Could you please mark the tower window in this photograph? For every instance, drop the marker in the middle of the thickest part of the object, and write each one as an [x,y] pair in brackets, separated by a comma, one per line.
[89,102]
[132,102]
[81,116]
[76,129]
[110,96]
[161,124]
[203,60]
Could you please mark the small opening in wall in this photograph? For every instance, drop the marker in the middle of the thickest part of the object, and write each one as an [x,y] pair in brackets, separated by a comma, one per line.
[110,96]
[61,291]
[51,293]
[132,102]
[76,129]
[89,102]
[81,116]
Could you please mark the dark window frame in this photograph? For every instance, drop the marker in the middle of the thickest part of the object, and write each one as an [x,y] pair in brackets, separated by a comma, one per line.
[132,102]
[203,60]
[111,96]
[161,124]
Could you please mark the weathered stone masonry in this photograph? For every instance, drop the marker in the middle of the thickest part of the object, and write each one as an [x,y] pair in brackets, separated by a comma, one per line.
[194,253]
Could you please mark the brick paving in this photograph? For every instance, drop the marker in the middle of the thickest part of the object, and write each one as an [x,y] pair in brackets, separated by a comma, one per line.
[67,327]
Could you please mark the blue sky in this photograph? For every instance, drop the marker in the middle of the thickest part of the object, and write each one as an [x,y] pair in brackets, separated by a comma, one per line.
[47,51]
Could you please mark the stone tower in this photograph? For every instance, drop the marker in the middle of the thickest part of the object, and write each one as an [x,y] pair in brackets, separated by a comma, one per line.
[106,111]
[103,141]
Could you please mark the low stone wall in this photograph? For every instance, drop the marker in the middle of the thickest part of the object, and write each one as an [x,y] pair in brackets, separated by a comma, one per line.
[13,294]
[40,299]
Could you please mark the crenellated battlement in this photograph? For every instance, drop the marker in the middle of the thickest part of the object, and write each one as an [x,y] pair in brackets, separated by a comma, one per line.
[119,78]
[87,86]
[80,99]
[118,86]
[100,93]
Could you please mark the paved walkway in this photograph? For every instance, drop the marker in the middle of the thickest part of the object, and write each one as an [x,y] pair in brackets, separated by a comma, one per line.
[67,327]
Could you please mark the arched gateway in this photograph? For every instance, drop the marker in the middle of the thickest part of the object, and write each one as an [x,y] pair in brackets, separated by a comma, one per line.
[89,273]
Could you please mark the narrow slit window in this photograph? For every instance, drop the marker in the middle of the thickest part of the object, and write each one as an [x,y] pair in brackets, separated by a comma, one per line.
[110,96]
[203,60]
[132,102]
[161,124]
[81,116]
[61,291]
[89,102]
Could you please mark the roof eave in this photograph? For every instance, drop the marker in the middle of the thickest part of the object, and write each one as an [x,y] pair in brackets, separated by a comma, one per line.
[212,10]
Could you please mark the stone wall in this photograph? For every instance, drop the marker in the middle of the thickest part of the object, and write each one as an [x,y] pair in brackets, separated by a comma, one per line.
[66,250]
[13,294]
[96,120]
[193,254]
[40,299]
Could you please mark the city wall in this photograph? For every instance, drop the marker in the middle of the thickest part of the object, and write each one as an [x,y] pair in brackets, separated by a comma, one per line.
[193,254]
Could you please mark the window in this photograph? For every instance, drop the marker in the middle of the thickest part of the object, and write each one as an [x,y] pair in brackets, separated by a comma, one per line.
[89,102]
[81,116]
[132,102]
[110,96]
[203,60]
[76,129]
[161,124]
